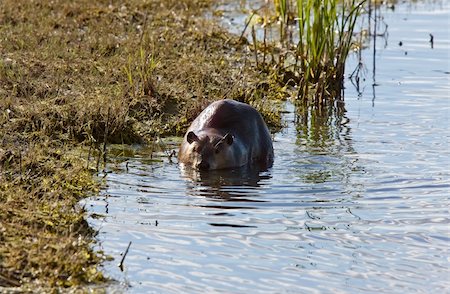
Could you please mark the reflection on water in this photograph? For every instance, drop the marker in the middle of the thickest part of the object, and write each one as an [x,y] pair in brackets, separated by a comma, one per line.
[243,176]
[225,185]
[356,202]
[319,127]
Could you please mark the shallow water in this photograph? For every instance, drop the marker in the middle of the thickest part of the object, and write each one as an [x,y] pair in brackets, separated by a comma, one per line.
[353,204]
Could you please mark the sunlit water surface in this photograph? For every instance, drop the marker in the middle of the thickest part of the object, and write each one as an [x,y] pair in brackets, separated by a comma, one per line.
[354,204]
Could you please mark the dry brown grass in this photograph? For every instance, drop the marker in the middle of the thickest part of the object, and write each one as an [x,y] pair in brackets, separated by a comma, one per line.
[43,232]
[67,65]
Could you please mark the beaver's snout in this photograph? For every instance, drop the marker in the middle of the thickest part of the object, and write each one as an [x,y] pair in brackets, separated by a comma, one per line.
[203,165]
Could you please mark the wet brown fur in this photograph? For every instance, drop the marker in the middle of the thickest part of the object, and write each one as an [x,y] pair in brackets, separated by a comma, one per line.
[227,134]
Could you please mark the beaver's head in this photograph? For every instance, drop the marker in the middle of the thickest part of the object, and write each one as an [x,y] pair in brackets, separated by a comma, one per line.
[210,151]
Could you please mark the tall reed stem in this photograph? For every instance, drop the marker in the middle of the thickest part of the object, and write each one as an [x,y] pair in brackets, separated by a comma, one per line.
[325,36]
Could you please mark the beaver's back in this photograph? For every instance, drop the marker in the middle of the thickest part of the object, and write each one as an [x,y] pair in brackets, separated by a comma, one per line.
[227,115]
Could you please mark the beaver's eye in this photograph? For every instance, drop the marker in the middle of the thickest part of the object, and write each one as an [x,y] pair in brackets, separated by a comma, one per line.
[194,149]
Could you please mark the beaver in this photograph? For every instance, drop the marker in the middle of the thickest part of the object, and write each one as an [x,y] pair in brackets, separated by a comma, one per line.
[227,134]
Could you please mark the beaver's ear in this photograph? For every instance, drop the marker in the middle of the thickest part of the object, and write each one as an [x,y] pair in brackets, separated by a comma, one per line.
[191,137]
[228,138]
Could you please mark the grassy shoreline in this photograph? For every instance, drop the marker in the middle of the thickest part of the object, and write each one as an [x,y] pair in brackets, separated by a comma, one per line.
[78,74]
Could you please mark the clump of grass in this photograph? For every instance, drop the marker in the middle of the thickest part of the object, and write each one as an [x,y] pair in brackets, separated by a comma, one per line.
[325,37]
[140,71]
[313,57]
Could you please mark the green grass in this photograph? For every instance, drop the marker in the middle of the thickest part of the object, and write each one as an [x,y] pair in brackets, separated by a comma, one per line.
[311,58]
[325,38]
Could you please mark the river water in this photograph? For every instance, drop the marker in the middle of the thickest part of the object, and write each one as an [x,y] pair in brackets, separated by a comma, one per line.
[356,202]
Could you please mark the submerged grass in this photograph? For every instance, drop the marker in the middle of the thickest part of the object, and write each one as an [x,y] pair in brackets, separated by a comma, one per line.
[75,75]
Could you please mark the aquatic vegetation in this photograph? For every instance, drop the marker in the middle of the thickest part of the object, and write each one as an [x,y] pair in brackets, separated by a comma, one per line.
[322,53]
[316,37]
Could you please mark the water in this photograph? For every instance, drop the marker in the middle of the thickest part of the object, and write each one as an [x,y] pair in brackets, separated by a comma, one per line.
[353,204]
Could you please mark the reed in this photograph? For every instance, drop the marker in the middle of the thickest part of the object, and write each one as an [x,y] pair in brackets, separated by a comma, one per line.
[325,38]
[282,11]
